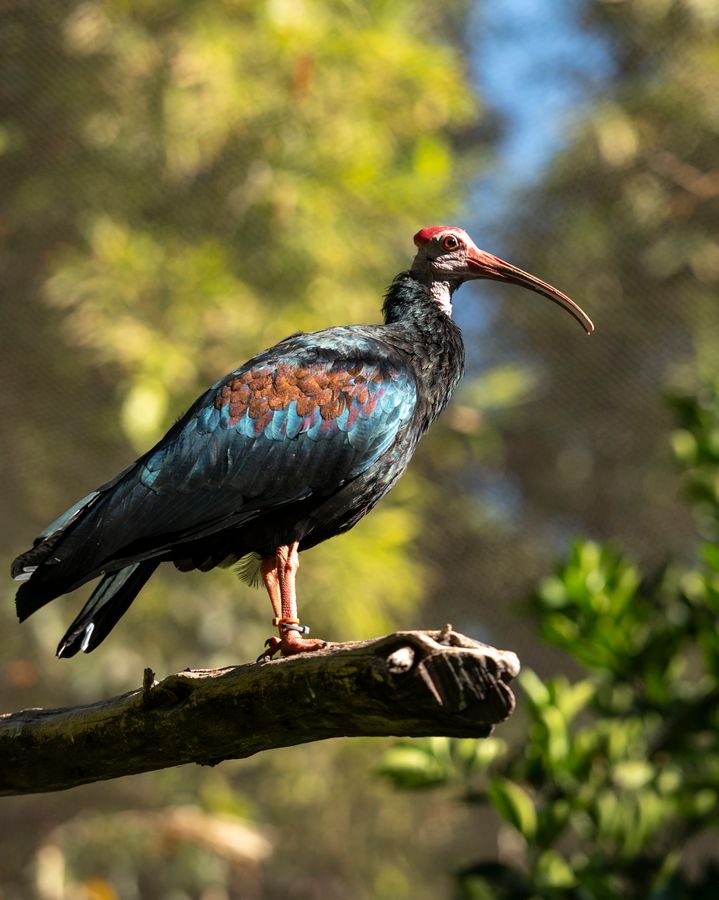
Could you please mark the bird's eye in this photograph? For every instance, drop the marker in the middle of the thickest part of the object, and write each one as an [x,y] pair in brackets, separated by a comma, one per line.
[450,242]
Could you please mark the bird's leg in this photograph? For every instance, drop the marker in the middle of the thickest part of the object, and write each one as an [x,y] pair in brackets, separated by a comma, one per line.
[288,562]
[278,574]
[271,581]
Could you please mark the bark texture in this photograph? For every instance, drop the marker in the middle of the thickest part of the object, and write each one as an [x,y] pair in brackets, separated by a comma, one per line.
[413,684]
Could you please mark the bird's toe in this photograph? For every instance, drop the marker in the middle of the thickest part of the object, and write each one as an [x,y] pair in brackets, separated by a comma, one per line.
[272,646]
[291,644]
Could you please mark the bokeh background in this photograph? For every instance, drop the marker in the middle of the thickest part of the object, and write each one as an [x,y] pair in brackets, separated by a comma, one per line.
[185,183]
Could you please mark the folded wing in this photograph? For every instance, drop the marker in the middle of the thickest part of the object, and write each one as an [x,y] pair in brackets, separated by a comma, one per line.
[296,422]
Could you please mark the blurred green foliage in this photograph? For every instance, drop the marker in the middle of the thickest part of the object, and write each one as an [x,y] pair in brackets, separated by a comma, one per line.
[184,184]
[614,780]
[696,444]
[204,175]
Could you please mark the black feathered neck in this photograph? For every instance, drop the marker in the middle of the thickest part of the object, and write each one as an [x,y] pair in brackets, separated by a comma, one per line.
[415,324]
[410,299]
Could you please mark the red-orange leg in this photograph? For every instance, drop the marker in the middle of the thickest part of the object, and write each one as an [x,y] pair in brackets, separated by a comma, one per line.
[278,574]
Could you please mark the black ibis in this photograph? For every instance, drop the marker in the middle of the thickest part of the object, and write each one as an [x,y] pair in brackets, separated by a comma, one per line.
[291,448]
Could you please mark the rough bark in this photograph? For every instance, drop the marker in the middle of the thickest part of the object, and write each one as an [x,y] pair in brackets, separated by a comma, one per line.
[414,683]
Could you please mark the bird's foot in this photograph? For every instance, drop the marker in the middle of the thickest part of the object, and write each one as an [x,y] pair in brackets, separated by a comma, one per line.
[289,643]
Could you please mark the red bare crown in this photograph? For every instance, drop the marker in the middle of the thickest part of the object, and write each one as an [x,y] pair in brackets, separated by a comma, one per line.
[426,234]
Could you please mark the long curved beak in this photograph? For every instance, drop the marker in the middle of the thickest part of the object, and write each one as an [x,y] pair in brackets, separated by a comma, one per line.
[484,265]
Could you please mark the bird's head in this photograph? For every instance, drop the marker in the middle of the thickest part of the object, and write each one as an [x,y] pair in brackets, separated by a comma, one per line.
[448,256]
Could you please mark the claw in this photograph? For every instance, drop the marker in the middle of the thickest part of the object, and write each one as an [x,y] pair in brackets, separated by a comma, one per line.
[273,644]
[289,645]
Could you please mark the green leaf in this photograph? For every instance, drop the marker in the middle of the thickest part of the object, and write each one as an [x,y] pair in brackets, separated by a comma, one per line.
[480,754]
[534,687]
[514,805]
[553,871]
[411,766]
[632,774]
[558,740]
[710,555]
[573,698]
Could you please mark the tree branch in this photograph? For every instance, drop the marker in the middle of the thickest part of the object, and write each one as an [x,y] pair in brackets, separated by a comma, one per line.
[414,683]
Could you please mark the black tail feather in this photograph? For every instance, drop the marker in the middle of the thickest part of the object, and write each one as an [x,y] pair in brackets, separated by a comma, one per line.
[43,545]
[35,593]
[109,602]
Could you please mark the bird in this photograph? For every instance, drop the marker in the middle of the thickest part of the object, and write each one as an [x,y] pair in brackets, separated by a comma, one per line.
[290,449]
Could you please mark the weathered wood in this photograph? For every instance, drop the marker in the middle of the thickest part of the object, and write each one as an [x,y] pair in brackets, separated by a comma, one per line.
[411,683]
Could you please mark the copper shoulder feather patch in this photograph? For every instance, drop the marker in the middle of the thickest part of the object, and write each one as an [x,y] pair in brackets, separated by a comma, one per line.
[310,397]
